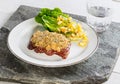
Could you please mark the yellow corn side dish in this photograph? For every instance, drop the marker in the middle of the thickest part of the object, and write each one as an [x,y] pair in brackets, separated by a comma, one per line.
[72,30]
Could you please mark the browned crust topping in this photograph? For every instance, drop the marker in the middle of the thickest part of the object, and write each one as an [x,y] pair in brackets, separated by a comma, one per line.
[50,43]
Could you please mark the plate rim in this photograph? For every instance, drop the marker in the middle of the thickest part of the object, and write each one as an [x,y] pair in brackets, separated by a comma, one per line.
[53,66]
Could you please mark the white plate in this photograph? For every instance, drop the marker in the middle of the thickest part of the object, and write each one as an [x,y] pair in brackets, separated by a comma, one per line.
[19,37]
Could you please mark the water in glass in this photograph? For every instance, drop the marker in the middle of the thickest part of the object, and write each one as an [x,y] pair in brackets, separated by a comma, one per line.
[99,17]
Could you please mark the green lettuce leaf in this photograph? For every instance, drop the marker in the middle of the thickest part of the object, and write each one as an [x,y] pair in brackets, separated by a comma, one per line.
[51,23]
[48,18]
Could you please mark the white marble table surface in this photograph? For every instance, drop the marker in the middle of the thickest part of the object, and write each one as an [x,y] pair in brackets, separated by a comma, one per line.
[8,7]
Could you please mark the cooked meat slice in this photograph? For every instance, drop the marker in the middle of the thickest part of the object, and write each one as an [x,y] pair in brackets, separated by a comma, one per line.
[50,43]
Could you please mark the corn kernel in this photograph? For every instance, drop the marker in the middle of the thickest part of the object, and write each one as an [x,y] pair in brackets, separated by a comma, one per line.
[59,22]
[63,29]
[82,44]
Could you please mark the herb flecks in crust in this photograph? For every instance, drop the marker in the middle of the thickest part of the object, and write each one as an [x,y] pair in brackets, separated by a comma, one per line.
[50,43]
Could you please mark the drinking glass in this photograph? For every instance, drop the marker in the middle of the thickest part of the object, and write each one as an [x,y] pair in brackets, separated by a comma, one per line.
[99,14]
